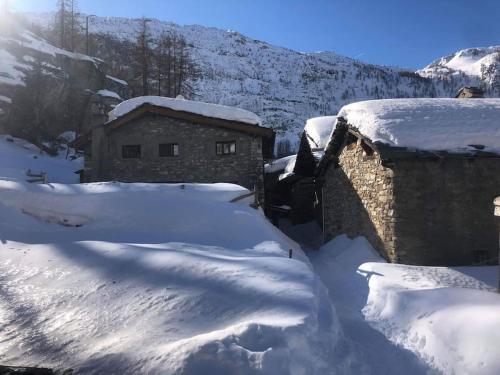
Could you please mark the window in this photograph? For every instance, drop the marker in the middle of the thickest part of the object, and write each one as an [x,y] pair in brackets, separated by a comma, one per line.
[225,148]
[168,149]
[131,151]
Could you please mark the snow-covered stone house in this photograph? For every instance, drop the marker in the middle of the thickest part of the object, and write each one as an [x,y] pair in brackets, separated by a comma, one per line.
[290,180]
[416,177]
[157,139]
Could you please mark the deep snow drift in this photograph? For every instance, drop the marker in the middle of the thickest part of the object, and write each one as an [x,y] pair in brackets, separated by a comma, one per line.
[436,319]
[138,278]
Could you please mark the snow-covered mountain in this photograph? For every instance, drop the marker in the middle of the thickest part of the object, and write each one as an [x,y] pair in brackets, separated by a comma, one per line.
[476,66]
[283,86]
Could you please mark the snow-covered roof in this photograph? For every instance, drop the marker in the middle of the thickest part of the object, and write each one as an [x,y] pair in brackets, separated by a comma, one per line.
[428,124]
[285,163]
[5,99]
[318,131]
[117,80]
[180,104]
[109,94]
[68,136]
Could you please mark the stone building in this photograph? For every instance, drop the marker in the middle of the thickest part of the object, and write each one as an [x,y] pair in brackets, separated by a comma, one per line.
[290,181]
[155,139]
[416,177]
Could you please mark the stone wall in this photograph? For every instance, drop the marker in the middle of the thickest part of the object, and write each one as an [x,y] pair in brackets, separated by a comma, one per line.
[444,210]
[197,160]
[357,200]
[415,211]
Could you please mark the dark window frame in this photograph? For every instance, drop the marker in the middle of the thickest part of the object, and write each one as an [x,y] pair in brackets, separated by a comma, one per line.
[171,147]
[224,143]
[131,154]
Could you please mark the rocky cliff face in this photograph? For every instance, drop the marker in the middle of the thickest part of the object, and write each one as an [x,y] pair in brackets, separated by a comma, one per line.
[43,85]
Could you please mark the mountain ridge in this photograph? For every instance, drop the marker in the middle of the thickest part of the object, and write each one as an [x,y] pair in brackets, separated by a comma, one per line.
[283,86]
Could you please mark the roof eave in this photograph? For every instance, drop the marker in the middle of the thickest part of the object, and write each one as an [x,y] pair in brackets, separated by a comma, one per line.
[188,116]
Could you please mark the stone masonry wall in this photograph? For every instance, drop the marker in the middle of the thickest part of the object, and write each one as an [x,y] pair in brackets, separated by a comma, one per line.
[358,200]
[444,210]
[197,160]
[415,211]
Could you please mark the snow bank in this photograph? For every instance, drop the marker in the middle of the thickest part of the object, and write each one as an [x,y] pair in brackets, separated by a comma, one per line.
[429,124]
[160,279]
[18,156]
[446,317]
[319,130]
[200,108]
[441,314]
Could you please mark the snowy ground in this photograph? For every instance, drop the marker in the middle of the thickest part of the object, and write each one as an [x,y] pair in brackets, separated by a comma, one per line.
[174,279]
[156,279]
[412,320]
[18,156]
[151,278]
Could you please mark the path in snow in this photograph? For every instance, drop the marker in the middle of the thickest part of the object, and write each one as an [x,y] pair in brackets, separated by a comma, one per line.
[375,353]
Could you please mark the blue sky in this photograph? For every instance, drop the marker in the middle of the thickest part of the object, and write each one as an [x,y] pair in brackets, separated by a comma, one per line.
[406,33]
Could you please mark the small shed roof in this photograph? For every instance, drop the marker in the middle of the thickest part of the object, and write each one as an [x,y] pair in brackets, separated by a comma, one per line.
[451,125]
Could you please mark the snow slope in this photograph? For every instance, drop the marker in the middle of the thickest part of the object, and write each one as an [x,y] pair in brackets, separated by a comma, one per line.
[14,36]
[429,124]
[481,66]
[152,278]
[410,319]
[18,156]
